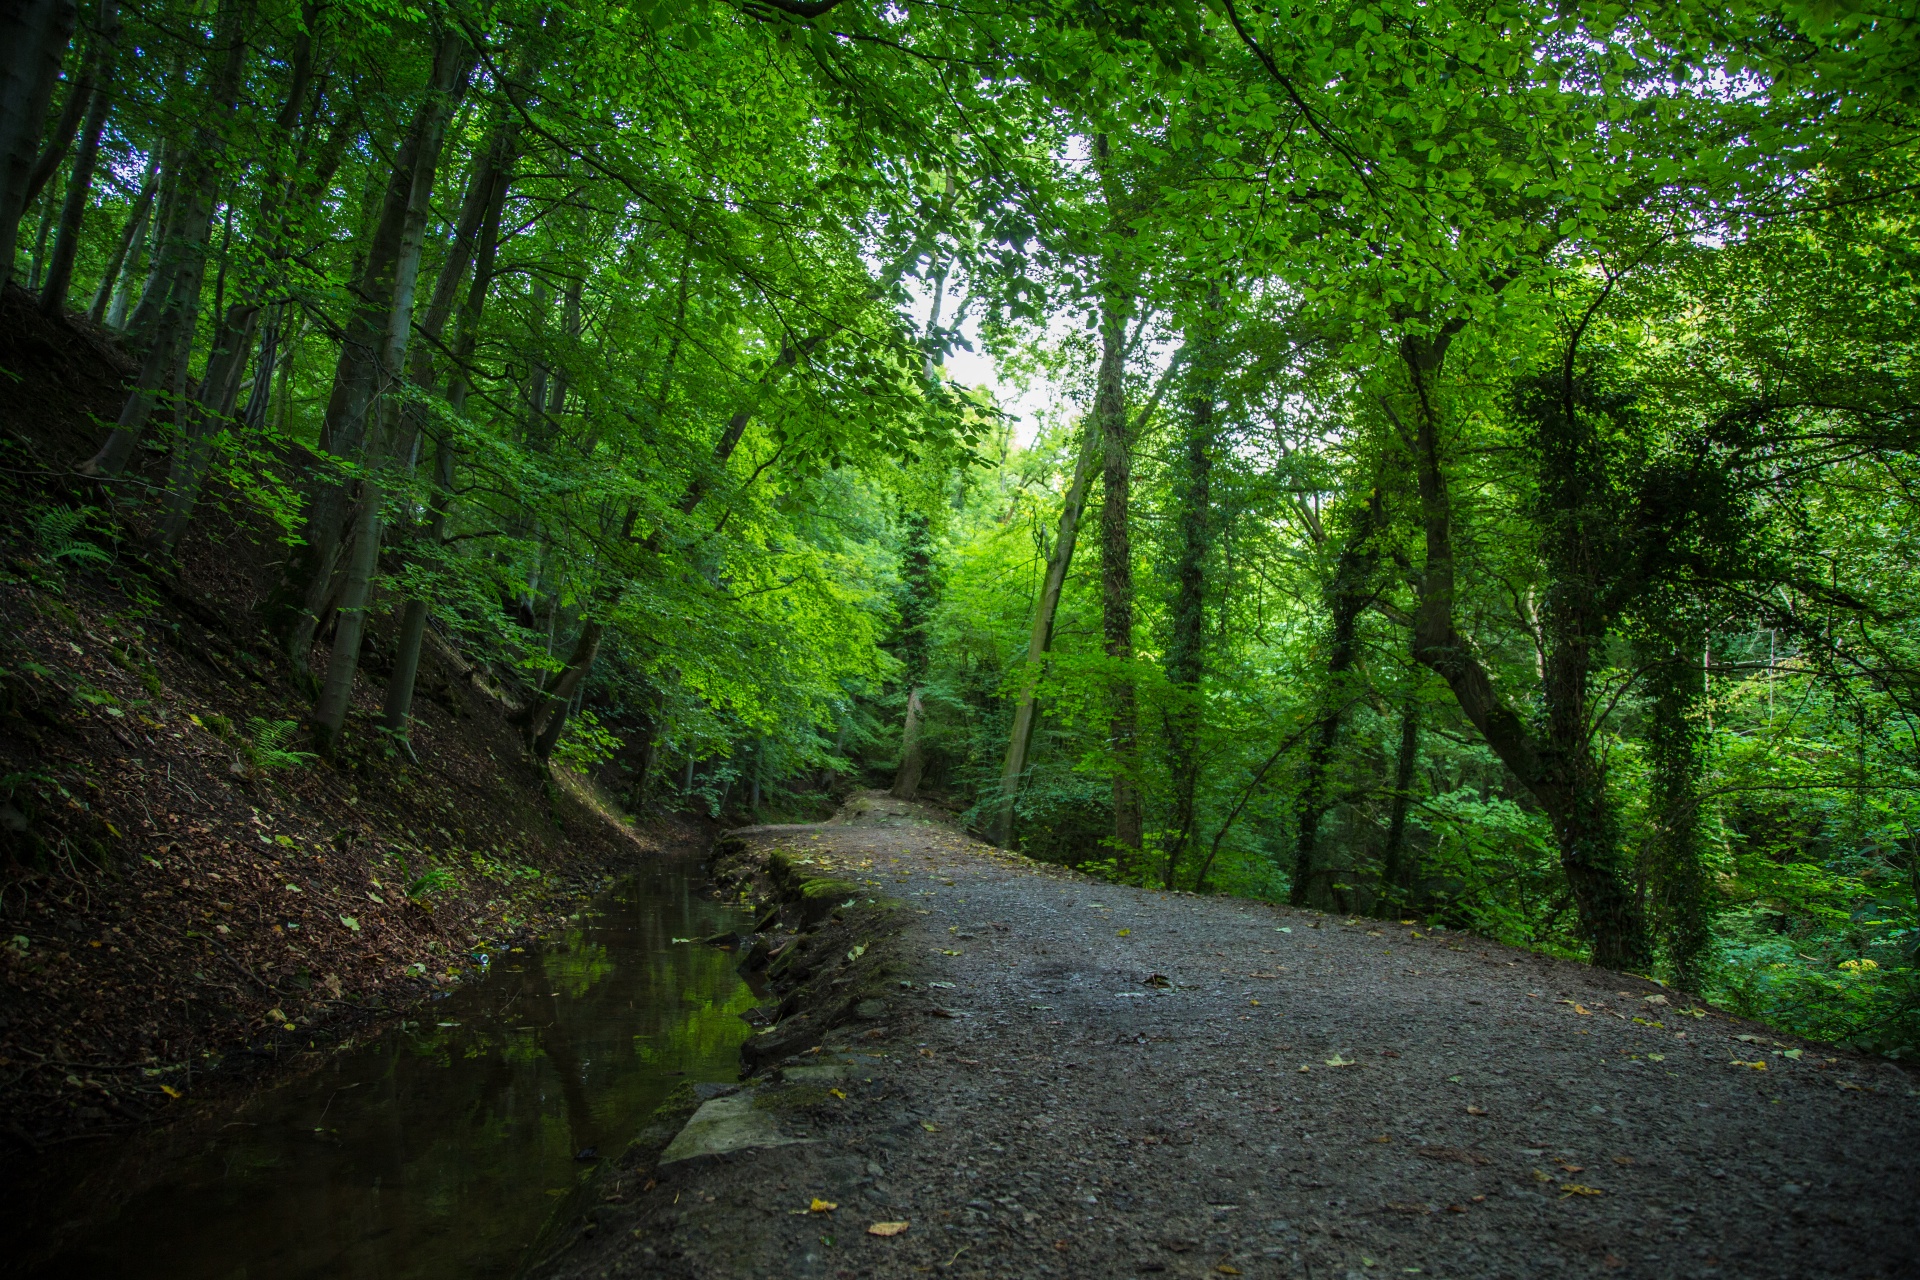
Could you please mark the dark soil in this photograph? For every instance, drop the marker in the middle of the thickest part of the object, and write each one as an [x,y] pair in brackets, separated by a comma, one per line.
[1121,1082]
[170,916]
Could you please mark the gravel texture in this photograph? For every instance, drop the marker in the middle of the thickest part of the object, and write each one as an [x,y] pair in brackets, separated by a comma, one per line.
[1120,1082]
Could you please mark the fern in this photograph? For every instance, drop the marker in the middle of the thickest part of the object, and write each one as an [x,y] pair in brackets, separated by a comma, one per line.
[59,532]
[266,751]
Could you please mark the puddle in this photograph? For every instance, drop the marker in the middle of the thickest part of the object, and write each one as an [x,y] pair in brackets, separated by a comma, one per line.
[442,1148]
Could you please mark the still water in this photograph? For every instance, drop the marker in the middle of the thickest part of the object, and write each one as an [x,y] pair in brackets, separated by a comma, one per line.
[442,1148]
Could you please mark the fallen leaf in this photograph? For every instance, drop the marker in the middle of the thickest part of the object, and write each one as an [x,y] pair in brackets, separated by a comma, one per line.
[1540,1177]
[822,1206]
[1793,1055]
[1623,1159]
[1453,1154]
[1656,999]
[1385,1137]
[170,1091]
[857,952]
[1226,1269]
[1758,1064]
[930,1126]
[1576,1189]
[1158,980]
[351,923]
[836,1093]
[1305,1068]
[1255,1003]
[1656,1057]
[1121,933]
[945,952]
[886,1228]
[1478,1111]
[1337,1061]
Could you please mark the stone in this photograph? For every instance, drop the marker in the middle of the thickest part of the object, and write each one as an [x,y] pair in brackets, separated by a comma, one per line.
[870,1010]
[727,1124]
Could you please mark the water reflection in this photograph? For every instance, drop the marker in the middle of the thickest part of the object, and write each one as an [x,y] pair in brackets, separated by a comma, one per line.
[441,1148]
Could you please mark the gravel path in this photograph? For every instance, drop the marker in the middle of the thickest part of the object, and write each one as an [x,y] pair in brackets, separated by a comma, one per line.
[1137,1083]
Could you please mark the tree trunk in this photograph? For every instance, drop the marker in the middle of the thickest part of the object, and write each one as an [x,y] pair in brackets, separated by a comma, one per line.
[373,348]
[480,242]
[913,759]
[1676,748]
[560,696]
[1187,625]
[336,691]
[1026,709]
[121,264]
[1116,577]
[1561,773]
[1396,872]
[34,35]
[1347,597]
[207,416]
[66,240]
[185,254]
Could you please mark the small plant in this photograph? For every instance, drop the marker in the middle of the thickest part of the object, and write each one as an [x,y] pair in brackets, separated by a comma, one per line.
[266,752]
[60,530]
[435,880]
[586,742]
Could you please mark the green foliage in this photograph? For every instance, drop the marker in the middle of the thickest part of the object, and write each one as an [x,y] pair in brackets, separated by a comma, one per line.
[264,750]
[61,534]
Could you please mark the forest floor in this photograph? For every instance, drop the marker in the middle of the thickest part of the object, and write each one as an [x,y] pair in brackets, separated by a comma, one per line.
[1081,1079]
[178,920]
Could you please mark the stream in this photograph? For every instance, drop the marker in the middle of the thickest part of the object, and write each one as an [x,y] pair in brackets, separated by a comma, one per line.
[443,1147]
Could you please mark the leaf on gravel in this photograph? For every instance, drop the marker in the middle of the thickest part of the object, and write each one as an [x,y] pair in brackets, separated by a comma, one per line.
[857,952]
[836,1093]
[1226,1269]
[1337,1061]
[1453,1154]
[1158,980]
[1478,1111]
[1580,1009]
[886,1228]
[351,923]
[821,1206]
[1385,1137]
[1758,1064]
[1540,1177]
[1656,999]
[1576,1189]
[930,1126]
[1304,1067]
[945,952]
[1121,933]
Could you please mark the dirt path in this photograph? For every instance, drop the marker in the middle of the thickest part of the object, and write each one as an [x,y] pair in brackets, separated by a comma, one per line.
[1119,1082]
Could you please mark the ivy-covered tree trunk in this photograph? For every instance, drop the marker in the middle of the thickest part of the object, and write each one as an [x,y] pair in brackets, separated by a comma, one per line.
[1187,623]
[1681,884]
[1557,767]
[1348,594]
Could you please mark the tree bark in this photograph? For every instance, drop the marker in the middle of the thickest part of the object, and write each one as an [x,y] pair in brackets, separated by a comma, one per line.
[1676,749]
[1187,626]
[1116,577]
[34,35]
[207,416]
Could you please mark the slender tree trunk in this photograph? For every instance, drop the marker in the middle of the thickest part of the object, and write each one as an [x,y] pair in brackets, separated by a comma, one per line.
[121,264]
[66,241]
[34,35]
[1187,625]
[572,678]
[916,614]
[913,756]
[1396,872]
[361,414]
[193,216]
[1026,708]
[207,416]
[479,241]
[373,349]
[1116,578]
